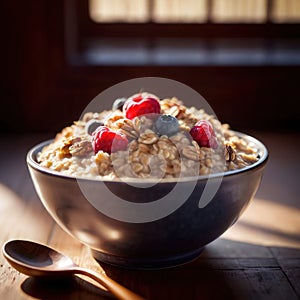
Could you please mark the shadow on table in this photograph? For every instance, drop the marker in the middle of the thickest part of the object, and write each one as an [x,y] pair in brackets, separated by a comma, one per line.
[225,270]
[63,288]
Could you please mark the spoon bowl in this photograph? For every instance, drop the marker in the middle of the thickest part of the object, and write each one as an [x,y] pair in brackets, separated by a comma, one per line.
[34,259]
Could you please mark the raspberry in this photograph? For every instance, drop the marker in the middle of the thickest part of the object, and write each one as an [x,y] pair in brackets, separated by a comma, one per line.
[107,140]
[203,133]
[167,125]
[141,104]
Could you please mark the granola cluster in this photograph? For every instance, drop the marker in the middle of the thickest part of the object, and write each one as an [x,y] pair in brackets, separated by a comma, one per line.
[148,154]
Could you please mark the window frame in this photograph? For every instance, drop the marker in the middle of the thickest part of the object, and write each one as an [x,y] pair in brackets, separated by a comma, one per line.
[87,28]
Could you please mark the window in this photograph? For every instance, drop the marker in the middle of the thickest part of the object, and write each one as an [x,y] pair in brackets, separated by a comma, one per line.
[163,11]
[184,33]
[194,11]
[286,11]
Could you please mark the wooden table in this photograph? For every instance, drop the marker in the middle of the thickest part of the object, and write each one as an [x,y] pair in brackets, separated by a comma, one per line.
[258,258]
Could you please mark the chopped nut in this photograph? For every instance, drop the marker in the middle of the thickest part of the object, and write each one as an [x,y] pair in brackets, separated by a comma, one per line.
[103,162]
[81,148]
[229,153]
[64,149]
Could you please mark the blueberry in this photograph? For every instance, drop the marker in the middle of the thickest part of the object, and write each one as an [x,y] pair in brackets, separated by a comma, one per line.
[92,125]
[166,125]
[118,103]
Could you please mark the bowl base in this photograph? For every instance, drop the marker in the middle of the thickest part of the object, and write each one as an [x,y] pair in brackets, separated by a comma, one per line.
[147,263]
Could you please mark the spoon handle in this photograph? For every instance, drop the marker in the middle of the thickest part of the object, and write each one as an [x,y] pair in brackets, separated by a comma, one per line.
[115,288]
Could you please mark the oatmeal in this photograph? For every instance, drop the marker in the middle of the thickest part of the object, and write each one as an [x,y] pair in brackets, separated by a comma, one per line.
[145,137]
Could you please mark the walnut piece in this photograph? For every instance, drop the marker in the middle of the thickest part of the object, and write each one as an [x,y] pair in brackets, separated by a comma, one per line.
[229,153]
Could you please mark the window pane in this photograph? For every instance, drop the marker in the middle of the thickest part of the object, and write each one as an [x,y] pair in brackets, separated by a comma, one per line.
[286,11]
[194,11]
[244,11]
[119,10]
[180,11]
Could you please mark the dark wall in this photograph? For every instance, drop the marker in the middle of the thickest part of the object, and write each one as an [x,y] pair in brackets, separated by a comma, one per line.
[41,91]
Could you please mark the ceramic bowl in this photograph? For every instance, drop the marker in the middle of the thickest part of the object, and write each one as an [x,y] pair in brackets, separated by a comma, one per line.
[134,236]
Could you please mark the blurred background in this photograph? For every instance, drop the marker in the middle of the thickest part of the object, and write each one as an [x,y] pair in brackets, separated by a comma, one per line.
[243,56]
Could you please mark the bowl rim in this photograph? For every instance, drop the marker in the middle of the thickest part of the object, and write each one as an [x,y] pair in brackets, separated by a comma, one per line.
[263,151]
